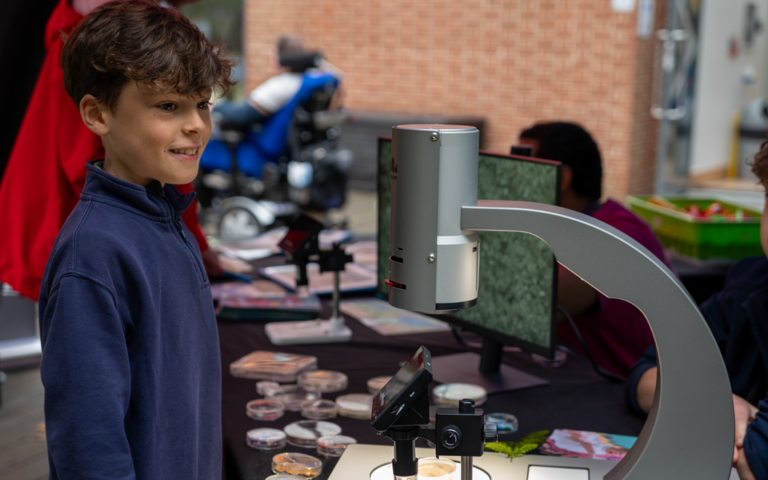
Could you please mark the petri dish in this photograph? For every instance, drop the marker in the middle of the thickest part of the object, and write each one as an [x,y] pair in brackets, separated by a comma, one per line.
[434,468]
[505,422]
[324,381]
[264,409]
[355,405]
[266,439]
[301,464]
[377,383]
[318,409]
[274,366]
[265,386]
[292,396]
[449,394]
[333,445]
[305,433]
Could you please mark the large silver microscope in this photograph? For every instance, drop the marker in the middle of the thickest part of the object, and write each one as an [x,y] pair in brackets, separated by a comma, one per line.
[434,254]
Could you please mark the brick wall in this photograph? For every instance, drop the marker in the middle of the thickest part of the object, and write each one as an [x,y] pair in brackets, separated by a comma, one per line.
[512,62]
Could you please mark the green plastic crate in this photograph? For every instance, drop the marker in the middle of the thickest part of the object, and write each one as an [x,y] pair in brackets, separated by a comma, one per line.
[699,237]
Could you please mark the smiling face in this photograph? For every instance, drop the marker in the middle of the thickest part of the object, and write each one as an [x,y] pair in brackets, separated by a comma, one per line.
[151,136]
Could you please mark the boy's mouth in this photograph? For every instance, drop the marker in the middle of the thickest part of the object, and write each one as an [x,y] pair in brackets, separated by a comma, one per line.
[185,151]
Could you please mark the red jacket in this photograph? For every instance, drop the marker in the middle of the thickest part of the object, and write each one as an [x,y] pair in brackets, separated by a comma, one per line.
[46,170]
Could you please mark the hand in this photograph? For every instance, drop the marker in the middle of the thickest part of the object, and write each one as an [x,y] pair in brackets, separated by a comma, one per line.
[211,263]
[742,467]
[743,412]
[646,389]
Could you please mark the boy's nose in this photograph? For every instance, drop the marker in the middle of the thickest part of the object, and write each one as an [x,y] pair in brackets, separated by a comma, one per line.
[195,123]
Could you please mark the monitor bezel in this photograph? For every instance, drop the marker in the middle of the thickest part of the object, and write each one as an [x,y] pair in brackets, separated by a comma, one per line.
[452,320]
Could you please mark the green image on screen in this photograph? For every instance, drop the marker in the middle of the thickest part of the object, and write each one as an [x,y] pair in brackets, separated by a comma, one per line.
[518,272]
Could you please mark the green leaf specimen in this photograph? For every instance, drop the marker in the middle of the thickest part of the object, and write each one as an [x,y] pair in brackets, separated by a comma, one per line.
[515,449]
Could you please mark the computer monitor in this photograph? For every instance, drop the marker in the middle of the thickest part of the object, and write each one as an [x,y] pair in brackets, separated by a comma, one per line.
[517,300]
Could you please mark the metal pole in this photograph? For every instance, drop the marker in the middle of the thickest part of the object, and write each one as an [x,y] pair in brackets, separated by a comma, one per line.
[336,295]
[466,468]
[664,125]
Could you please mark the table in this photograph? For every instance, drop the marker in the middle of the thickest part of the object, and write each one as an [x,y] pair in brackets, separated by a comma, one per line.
[577,398]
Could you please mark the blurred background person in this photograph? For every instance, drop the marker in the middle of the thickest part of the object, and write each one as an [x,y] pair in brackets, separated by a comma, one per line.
[616,332]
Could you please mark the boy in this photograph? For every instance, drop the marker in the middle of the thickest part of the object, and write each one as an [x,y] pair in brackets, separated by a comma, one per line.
[738,319]
[130,347]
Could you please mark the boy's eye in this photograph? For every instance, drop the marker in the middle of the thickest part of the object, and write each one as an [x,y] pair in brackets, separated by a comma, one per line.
[168,107]
[204,104]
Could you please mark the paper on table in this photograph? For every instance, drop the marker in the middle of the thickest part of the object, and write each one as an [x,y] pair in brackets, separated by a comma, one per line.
[256,289]
[388,320]
[582,444]
[354,278]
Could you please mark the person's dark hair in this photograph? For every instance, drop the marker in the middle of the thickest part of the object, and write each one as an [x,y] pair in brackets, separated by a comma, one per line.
[760,164]
[140,41]
[573,146]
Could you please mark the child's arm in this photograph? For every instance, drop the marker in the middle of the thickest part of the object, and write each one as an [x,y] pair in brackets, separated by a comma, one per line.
[87,379]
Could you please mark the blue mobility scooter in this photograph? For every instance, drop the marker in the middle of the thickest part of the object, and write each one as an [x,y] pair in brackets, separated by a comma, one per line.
[292,161]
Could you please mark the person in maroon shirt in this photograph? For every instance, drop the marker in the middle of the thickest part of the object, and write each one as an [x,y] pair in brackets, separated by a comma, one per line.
[615,331]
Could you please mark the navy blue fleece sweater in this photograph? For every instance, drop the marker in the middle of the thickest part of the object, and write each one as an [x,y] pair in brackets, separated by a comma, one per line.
[131,363]
[738,319]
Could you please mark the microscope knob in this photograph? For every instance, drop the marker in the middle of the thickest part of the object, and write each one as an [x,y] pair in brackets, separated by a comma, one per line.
[450,437]
[491,432]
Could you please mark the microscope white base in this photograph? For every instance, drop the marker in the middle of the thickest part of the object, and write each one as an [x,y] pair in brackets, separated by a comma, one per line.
[307,332]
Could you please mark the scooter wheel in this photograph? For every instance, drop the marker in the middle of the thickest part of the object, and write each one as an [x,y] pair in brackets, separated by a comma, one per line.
[237,223]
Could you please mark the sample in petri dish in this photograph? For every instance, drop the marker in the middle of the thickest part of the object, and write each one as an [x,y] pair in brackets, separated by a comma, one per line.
[297,464]
[265,386]
[355,405]
[333,445]
[434,468]
[292,396]
[285,476]
[306,432]
[505,422]
[318,409]
[324,381]
[377,383]
[266,439]
[264,409]
[449,394]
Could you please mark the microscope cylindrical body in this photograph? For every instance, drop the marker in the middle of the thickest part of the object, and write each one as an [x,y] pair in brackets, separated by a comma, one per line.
[433,265]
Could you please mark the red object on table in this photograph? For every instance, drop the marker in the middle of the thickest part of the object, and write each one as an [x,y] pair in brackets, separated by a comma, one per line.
[46,170]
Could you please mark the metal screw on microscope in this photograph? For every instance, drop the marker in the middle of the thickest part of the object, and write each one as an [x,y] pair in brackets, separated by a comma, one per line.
[431,258]
[434,136]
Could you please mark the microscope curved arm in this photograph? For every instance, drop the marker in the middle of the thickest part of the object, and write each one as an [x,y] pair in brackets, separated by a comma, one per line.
[689,432]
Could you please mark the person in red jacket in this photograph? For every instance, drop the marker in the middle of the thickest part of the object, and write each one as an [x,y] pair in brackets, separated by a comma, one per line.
[46,170]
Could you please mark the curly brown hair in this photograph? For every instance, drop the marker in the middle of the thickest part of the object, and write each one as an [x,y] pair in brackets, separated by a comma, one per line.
[760,164]
[140,41]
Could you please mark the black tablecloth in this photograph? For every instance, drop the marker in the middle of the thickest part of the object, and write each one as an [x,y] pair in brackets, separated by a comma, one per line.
[577,398]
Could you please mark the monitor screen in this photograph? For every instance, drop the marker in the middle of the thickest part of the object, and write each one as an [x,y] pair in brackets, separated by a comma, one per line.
[517,299]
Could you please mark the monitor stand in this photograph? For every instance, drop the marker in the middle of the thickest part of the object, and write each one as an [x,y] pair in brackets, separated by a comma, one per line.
[486,371]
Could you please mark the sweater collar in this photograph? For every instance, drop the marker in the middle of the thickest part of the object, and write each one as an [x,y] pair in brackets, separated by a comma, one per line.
[154,200]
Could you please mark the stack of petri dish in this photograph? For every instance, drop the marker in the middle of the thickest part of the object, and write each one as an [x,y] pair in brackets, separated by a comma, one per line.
[449,394]
[333,445]
[292,396]
[266,439]
[305,433]
[355,405]
[318,409]
[300,464]
[377,383]
[266,410]
[325,381]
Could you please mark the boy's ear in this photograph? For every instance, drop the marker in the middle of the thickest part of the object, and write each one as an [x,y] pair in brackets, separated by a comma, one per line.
[94,115]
